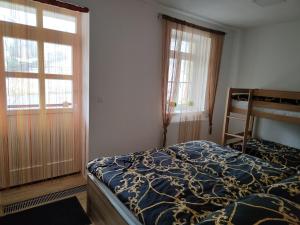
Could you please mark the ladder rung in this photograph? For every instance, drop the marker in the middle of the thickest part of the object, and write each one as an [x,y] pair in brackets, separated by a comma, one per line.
[236,142]
[234,135]
[236,118]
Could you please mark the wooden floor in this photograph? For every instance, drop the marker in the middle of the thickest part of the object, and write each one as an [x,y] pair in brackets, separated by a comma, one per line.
[82,197]
[25,192]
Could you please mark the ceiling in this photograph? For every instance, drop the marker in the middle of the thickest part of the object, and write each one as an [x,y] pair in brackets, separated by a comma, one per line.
[238,13]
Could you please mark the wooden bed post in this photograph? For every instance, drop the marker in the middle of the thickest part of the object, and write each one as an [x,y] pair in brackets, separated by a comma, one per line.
[243,136]
[252,121]
[226,115]
[246,130]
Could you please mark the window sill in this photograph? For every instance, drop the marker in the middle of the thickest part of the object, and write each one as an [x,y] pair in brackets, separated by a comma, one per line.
[189,116]
[39,111]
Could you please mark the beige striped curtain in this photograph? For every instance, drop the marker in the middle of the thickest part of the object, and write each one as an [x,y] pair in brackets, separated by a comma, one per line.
[40,92]
[216,48]
[170,71]
[191,59]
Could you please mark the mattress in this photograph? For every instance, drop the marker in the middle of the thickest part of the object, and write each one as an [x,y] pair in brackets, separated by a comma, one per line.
[244,97]
[272,152]
[186,183]
[244,105]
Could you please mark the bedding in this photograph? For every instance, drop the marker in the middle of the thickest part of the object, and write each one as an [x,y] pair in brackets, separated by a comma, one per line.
[280,112]
[240,101]
[256,209]
[244,97]
[272,152]
[288,188]
[185,183]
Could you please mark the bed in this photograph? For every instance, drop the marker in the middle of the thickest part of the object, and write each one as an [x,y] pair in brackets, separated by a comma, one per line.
[248,105]
[271,104]
[277,106]
[272,152]
[197,182]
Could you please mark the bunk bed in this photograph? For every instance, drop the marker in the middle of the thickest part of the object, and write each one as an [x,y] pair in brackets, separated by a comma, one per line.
[246,105]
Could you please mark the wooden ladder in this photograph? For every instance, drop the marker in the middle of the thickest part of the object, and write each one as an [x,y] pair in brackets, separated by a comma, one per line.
[243,136]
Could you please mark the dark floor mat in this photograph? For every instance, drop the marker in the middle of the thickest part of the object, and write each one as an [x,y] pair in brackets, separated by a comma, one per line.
[64,212]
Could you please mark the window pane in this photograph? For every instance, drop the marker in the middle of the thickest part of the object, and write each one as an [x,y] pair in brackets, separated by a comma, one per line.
[187,37]
[183,93]
[173,45]
[60,22]
[185,46]
[16,13]
[20,55]
[58,59]
[170,87]
[182,39]
[22,93]
[59,93]
[186,68]
[172,69]
[175,37]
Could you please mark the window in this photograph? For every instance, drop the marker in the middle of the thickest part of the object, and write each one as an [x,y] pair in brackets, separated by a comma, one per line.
[58,59]
[58,93]
[39,65]
[16,13]
[22,93]
[20,55]
[58,21]
[188,69]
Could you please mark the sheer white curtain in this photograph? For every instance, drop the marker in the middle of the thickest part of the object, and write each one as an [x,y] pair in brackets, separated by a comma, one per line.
[188,70]
[194,58]
[189,81]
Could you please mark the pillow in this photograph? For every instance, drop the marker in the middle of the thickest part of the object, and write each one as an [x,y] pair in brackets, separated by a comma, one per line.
[263,209]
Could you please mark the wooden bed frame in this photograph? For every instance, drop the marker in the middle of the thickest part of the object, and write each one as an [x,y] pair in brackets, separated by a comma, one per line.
[104,208]
[248,115]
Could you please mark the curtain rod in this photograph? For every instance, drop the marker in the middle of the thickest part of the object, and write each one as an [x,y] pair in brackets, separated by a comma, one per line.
[172,19]
[64,5]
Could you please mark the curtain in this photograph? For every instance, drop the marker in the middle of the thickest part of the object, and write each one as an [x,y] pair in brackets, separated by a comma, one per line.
[168,91]
[41,93]
[191,60]
[213,73]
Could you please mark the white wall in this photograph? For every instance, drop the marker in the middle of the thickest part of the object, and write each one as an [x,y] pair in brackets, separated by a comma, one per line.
[270,59]
[125,75]
[125,78]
